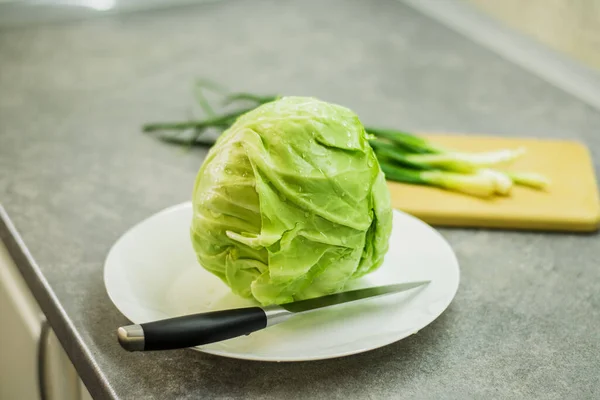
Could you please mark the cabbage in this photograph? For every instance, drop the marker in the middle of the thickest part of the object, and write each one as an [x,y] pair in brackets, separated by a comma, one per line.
[290,203]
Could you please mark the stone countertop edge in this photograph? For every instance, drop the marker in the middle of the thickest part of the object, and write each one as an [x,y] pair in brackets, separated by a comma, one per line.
[54,313]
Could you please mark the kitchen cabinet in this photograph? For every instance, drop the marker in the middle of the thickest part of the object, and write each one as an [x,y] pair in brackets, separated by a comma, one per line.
[26,341]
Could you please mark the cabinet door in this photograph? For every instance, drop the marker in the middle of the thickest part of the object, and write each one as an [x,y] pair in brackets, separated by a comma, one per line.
[20,319]
[21,323]
[60,378]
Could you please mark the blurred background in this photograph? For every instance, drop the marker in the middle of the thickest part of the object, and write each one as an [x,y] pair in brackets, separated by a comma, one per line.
[571,27]
[568,26]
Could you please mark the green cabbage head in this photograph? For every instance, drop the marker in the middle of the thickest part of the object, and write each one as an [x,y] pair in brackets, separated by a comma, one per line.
[291,203]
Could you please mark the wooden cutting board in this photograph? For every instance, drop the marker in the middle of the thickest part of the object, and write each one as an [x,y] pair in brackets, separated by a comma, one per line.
[570,204]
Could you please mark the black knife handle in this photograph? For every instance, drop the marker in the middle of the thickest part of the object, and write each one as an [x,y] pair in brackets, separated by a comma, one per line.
[199,329]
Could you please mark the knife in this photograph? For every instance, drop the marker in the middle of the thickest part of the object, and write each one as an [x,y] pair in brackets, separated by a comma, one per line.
[199,329]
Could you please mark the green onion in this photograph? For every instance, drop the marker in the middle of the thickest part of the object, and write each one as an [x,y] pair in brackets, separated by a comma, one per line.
[406,141]
[465,162]
[447,160]
[223,121]
[530,179]
[403,157]
[502,182]
[398,156]
[480,185]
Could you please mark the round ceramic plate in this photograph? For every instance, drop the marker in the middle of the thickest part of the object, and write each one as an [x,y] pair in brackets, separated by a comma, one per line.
[152,273]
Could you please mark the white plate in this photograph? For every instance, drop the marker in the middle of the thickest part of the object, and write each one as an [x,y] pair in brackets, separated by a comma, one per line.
[151,273]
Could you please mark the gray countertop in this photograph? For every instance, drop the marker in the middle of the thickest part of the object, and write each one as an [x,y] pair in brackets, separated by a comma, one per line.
[75,173]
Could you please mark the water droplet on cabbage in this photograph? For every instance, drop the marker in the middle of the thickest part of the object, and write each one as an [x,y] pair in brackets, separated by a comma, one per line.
[215,214]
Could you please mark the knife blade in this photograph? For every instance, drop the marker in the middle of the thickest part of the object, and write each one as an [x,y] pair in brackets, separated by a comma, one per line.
[204,328]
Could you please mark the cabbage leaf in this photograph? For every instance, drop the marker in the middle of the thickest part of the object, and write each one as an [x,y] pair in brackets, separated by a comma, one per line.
[291,203]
